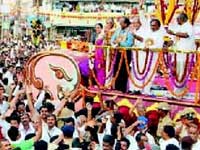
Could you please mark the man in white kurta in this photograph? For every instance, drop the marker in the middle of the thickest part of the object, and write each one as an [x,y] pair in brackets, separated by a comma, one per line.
[138,29]
[183,37]
[153,40]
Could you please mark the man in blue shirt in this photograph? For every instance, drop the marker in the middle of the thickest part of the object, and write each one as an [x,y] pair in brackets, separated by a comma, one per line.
[122,38]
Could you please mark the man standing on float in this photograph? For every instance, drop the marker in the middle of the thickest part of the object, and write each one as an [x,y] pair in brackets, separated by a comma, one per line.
[122,38]
[183,38]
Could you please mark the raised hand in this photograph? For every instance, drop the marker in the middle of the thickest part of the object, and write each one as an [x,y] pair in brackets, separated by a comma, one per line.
[141,3]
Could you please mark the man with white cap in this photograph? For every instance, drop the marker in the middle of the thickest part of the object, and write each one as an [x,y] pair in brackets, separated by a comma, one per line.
[163,110]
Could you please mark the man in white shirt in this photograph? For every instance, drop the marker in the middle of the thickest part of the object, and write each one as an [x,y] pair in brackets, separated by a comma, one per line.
[26,127]
[153,41]
[52,131]
[168,137]
[9,74]
[183,37]
[194,134]
[108,142]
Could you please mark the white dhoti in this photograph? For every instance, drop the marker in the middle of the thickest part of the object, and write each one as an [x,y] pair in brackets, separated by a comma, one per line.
[184,44]
[180,64]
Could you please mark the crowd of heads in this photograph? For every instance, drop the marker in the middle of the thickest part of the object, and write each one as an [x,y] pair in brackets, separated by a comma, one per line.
[97,126]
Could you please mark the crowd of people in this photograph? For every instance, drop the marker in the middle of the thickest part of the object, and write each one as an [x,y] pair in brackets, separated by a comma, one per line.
[36,123]
[28,123]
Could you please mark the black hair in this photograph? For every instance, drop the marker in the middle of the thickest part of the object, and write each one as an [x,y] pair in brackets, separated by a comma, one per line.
[157,21]
[43,106]
[89,99]
[29,136]
[13,133]
[100,24]
[118,117]
[127,21]
[114,130]
[68,120]
[10,66]
[14,117]
[81,112]
[70,105]
[63,147]
[47,96]
[40,145]
[4,70]
[94,136]
[5,81]
[139,136]
[109,139]
[110,103]
[1,76]
[50,107]
[1,63]
[52,139]
[183,17]
[19,103]
[76,143]
[51,115]
[17,148]
[95,112]
[169,130]
[126,140]
[172,147]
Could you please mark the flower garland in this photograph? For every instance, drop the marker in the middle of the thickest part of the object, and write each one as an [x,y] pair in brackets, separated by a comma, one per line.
[167,59]
[169,64]
[147,70]
[165,12]
[168,83]
[145,64]
[112,82]
[192,8]
[187,63]
[150,78]
[184,79]
[172,6]
[111,71]
[197,95]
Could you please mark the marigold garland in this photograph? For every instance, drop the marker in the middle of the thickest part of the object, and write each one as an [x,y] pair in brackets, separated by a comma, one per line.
[168,84]
[192,8]
[150,78]
[197,95]
[143,76]
[165,12]
[145,64]
[112,82]
[187,63]
[111,64]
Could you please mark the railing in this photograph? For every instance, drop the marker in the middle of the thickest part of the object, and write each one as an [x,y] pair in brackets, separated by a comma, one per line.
[164,63]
